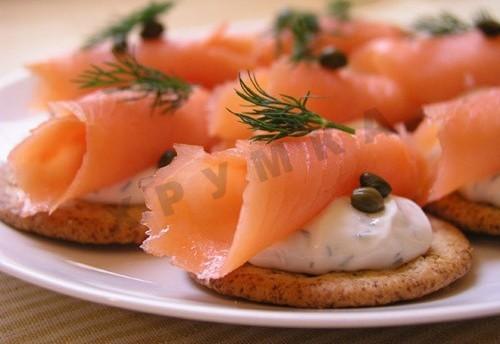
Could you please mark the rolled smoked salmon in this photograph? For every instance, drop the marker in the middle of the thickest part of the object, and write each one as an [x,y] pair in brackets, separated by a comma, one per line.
[341,96]
[433,69]
[207,62]
[210,213]
[460,139]
[100,140]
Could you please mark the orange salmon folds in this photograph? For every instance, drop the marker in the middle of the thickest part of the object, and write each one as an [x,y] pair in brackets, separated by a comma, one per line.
[206,62]
[460,140]
[100,140]
[433,69]
[394,75]
[341,95]
[210,213]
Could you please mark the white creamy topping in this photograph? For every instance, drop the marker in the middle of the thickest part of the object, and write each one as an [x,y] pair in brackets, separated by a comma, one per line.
[342,238]
[487,191]
[125,192]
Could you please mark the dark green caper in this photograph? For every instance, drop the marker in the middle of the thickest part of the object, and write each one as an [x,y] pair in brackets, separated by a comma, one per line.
[367,200]
[376,182]
[166,158]
[119,45]
[152,30]
[332,58]
[489,27]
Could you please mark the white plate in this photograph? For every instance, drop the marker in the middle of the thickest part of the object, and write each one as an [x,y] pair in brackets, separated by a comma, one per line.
[128,278]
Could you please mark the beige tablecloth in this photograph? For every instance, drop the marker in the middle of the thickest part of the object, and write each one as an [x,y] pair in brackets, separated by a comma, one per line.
[31,29]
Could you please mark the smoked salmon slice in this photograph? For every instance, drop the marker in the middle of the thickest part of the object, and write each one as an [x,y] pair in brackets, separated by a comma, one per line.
[342,96]
[206,62]
[210,213]
[433,69]
[460,140]
[222,123]
[100,140]
[352,34]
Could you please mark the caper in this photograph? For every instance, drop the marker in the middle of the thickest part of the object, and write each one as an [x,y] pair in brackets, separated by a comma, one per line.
[332,58]
[119,45]
[376,182]
[166,158]
[367,200]
[152,30]
[489,27]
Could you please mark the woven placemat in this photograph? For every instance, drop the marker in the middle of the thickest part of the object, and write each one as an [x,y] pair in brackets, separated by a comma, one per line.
[29,314]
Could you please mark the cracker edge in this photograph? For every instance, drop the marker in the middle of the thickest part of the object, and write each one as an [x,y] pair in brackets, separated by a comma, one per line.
[448,259]
[79,221]
[467,215]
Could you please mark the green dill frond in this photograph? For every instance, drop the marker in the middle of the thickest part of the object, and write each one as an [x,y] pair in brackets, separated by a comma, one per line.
[120,29]
[440,25]
[340,9]
[279,117]
[303,26]
[448,24]
[126,73]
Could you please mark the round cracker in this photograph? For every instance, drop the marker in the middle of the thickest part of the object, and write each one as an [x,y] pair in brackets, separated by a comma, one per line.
[78,221]
[448,259]
[467,215]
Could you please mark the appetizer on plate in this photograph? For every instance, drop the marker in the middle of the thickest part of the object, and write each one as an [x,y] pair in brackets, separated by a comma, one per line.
[76,177]
[314,217]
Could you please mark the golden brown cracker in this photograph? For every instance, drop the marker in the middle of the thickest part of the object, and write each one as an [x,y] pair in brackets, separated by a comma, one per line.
[448,259]
[78,221]
[467,215]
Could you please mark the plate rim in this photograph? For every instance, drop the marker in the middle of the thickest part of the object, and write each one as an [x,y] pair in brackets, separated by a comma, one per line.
[191,310]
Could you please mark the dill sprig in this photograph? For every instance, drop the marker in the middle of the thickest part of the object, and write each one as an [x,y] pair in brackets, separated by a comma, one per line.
[119,30]
[127,73]
[340,9]
[488,25]
[281,116]
[448,24]
[440,25]
[303,26]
